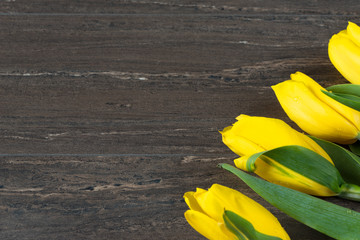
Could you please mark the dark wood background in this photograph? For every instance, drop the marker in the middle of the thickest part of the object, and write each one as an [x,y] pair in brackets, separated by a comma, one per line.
[110,110]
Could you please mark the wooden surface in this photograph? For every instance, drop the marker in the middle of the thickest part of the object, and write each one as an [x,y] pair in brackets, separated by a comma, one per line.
[110,110]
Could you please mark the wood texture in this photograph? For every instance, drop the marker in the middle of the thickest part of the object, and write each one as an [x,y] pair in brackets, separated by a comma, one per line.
[110,110]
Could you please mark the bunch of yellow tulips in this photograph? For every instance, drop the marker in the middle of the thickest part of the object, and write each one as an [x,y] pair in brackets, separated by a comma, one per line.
[294,168]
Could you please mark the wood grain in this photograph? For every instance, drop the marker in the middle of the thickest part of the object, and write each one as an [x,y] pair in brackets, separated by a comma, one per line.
[161,43]
[110,110]
[321,7]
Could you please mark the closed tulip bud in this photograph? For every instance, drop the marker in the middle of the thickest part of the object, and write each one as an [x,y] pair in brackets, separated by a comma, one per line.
[250,135]
[316,113]
[344,52]
[290,166]
[206,214]
[332,220]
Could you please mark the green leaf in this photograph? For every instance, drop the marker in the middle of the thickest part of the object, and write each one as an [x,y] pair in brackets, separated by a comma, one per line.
[351,89]
[333,220]
[347,163]
[355,147]
[346,99]
[303,161]
[242,228]
[348,96]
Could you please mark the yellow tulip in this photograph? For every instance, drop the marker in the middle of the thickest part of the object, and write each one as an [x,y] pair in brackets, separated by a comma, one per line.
[250,135]
[315,113]
[274,172]
[207,209]
[344,52]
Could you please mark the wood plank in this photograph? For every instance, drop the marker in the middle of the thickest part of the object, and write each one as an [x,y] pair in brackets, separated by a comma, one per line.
[109,115]
[111,109]
[159,44]
[111,197]
[90,105]
[115,113]
[182,7]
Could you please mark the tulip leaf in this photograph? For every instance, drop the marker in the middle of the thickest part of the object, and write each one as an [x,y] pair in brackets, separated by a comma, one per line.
[351,89]
[351,101]
[333,220]
[347,163]
[242,228]
[348,97]
[355,147]
[304,162]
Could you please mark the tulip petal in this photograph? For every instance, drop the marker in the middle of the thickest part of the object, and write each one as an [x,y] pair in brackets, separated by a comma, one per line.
[250,135]
[191,200]
[348,113]
[237,143]
[208,227]
[244,164]
[211,205]
[262,130]
[344,54]
[354,32]
[333,220]
[312,115]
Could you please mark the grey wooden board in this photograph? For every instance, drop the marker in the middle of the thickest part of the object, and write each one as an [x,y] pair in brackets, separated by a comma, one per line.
[58,197]
[321,7]
[110,110]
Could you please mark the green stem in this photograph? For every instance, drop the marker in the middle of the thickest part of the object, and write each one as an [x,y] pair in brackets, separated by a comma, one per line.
[350,191]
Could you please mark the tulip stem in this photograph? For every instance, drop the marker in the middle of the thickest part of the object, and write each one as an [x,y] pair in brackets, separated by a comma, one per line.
[350,191]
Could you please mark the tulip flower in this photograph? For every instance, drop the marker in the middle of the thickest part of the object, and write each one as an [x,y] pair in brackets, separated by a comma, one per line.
[206,214]
[344,52]
[300,169]
[333,220]
[254,136]
[251,135]
[315,112]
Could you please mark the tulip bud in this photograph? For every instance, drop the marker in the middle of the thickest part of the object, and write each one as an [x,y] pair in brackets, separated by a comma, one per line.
[250,135]
[300,169]
[294,167]
[344,52]
[258,140]
[315,112]
[211,212]
[333,220]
